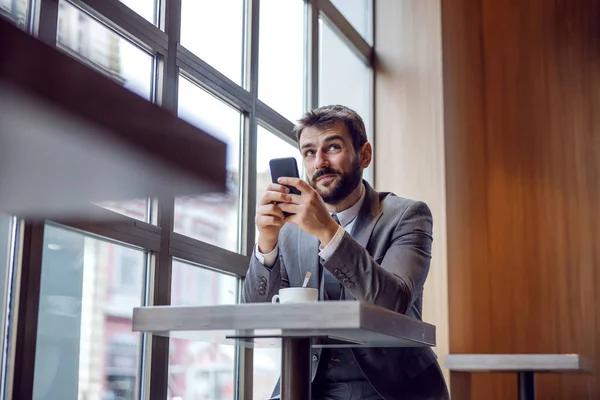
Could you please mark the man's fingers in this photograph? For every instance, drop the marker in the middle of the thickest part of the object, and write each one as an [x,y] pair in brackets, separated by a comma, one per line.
[274,197]
[298,183]
[270,209]
[275,187]
[268,220]
[290,208]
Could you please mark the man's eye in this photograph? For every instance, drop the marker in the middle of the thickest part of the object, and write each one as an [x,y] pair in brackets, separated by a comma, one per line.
[334,147]
[309,153]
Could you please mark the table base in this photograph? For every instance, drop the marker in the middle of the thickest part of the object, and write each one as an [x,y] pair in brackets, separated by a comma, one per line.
[526,385]
[295,368]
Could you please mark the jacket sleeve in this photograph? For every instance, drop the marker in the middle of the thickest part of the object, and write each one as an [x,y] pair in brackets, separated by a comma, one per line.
[397,280]
[262,283]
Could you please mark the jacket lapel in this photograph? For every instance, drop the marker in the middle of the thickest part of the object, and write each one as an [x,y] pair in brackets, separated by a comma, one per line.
[369,214]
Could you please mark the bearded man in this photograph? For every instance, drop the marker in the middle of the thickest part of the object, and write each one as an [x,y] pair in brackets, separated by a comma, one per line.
[372,246]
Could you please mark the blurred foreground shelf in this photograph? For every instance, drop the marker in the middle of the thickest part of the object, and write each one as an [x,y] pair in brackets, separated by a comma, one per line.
[70,136]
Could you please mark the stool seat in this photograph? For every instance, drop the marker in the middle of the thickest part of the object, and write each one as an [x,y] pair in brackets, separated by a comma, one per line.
[518,362]
[526,366]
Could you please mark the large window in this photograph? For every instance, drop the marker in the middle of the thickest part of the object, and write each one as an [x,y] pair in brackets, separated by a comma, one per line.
[241,70]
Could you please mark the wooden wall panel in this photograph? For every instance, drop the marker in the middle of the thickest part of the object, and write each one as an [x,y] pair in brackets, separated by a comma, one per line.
[409,138]
[522,132]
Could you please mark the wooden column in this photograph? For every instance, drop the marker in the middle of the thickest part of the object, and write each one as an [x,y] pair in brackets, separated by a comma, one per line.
[522,134]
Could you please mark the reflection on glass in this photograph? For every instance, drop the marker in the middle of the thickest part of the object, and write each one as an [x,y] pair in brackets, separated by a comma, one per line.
[85,346]
[344,78]
[16,10]
[213,30]
[201,370]
[145,8]
[212,218]
[281,56]
[359,13]
[96,45]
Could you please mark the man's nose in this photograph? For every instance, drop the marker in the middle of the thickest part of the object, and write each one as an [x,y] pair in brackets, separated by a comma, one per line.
[321,160]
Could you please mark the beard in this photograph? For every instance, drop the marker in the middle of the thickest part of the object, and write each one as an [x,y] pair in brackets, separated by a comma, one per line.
[336,191]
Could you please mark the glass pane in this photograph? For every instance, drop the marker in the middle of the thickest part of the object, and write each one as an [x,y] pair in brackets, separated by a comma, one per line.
[95,44]
[5,247]
[266,370]
[334,87]
[213,30]
[358,13]
[146,8]
[281,61]
[201,370]
[212,218]
[16,10]
[85,346]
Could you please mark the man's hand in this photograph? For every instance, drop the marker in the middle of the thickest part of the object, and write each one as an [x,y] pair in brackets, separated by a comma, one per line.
[309,210]
[269,217]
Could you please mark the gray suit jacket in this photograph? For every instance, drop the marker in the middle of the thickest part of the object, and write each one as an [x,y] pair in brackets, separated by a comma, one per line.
[384,262]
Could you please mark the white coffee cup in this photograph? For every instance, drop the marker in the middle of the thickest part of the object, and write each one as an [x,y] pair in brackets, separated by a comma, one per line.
[296,295]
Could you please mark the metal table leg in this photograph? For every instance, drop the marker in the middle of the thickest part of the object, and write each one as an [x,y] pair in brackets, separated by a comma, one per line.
[526,385]
[295,368]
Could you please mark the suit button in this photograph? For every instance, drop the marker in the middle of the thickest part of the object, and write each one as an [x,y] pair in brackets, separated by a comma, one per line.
[345,281]
[351,285]
[315,358]
[261,292]
[337,271]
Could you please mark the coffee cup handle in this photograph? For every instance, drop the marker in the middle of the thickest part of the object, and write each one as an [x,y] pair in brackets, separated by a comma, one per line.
[275,299]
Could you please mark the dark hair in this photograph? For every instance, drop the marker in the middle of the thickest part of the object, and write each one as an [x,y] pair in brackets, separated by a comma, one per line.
[326,116]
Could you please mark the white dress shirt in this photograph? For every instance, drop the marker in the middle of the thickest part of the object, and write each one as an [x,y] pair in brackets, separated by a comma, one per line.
[346,218]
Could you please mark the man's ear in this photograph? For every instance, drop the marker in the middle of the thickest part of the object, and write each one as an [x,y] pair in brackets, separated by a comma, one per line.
[366,155]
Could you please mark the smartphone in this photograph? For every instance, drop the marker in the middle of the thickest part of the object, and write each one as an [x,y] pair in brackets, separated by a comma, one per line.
[284,167]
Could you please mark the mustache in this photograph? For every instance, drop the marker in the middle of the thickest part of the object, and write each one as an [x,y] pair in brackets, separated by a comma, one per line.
[325,171]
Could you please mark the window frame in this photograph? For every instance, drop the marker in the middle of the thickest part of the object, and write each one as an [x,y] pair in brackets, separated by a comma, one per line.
[156,235]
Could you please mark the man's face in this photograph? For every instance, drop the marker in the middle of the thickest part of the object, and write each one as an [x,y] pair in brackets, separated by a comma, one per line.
[333,167]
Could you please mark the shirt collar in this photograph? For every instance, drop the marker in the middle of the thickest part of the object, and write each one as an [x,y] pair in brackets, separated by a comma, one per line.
[349,214]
